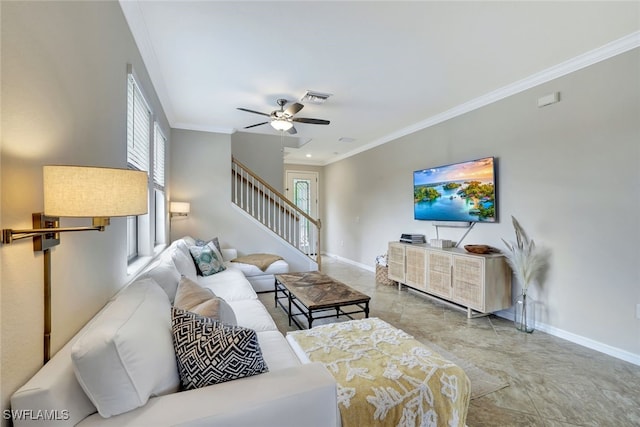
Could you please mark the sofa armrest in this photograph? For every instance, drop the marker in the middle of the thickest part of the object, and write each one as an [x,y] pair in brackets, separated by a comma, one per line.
[301,395]
[228,253]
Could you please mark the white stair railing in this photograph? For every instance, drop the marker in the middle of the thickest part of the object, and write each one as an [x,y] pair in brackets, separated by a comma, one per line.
[273,210]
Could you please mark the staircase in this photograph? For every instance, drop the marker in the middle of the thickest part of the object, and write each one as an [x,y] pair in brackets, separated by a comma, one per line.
[273,210]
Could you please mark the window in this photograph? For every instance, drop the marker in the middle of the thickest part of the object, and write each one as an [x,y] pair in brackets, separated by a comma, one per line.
[146,152]
[159,147]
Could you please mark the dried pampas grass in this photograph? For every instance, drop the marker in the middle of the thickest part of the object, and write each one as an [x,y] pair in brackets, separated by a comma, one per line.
[527,261]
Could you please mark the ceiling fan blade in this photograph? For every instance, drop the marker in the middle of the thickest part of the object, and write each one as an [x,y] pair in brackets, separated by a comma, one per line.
[257,124]
[292,131]
[253,111]
[311,121]
[293,108]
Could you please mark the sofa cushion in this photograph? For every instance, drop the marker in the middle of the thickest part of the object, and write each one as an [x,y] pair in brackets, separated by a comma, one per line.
[253,314]
[209,352]
[165,273]
[126,354]
[276,351]
[208,259]
[196,299]
[229,284]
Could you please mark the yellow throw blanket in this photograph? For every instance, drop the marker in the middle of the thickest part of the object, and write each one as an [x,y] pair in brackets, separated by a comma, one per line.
[262,261]
[386,377]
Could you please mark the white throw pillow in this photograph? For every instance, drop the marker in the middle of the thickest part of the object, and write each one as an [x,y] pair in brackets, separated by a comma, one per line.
[183,261]
[166,275]
[126,354]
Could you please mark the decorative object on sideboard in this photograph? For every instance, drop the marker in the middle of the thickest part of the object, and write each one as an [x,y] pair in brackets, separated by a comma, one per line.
[79,191]
[528,263]
[179,209]
[481,249]
[441,243]
[413,238]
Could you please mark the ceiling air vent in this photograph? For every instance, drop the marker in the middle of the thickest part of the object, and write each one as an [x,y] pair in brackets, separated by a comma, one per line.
[315,97]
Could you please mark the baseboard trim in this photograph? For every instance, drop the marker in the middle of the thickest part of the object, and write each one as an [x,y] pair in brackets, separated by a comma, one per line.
[616,352]
[349,261]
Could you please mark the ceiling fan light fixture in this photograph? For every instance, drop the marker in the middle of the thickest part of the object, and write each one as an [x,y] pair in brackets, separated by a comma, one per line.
[281,124]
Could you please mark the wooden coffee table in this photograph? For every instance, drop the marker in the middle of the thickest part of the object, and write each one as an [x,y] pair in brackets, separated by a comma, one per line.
[314,292]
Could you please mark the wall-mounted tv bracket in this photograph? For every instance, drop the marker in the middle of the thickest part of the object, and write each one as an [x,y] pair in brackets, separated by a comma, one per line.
[454,224]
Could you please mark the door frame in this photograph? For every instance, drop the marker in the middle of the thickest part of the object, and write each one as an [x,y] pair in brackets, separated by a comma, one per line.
[289,172]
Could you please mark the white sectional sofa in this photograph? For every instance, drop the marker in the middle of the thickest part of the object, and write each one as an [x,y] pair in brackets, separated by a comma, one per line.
[133,370]
[262,281]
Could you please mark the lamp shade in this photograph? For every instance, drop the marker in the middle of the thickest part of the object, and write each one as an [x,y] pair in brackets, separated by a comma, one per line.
[82,191]
[281,124]
[180,207]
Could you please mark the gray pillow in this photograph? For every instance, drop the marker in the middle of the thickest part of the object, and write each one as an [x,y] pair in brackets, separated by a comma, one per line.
[215,241]
[192,297]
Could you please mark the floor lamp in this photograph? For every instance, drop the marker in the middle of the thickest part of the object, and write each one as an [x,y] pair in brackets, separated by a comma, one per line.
[79,191]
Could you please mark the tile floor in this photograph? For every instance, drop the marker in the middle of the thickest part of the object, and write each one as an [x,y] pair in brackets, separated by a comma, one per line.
[553,382]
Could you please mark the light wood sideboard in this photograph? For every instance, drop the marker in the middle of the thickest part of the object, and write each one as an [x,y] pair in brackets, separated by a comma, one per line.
[478,283]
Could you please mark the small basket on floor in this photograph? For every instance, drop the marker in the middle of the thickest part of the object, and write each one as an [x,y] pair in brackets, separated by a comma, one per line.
[382,275]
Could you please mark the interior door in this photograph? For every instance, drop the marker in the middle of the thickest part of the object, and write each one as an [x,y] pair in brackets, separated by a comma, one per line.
[301,188]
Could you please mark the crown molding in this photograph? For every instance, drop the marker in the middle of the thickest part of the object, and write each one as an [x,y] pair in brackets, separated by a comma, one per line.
[591,57]
[196,127]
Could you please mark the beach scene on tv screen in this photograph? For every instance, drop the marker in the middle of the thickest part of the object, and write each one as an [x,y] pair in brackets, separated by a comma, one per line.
[458,192]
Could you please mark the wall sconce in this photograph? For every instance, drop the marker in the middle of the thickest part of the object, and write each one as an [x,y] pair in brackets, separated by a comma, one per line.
[179,209]
[79,191]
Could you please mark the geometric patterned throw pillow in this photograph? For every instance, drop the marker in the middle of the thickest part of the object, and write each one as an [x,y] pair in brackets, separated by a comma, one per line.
[209,352]
[207,258]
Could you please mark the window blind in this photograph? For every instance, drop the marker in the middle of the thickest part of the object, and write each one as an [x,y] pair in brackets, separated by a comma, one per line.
[137,128]
[159,146]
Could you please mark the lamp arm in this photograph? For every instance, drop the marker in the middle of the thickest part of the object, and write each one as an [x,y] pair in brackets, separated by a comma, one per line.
[9,235]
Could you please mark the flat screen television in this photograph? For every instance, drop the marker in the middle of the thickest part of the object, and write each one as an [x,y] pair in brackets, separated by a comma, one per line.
[458,192]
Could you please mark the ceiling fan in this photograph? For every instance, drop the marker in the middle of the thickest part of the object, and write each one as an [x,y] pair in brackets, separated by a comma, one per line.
[282,119]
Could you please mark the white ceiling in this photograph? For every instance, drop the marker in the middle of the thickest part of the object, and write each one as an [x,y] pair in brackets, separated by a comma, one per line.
[392,67]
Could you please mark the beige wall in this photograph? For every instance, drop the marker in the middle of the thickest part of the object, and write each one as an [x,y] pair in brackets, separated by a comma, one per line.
[263,154]
[64,97]
[569,172]
[201,175]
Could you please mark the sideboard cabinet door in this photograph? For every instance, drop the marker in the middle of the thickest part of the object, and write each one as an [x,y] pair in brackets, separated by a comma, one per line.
[468,281]
[395,261]
[416,270]
[439,276]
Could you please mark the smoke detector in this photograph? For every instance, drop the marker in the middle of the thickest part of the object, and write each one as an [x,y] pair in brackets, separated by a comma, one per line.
[313,97]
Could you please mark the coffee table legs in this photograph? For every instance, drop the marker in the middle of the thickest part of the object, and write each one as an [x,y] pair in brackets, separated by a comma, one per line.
[308,312]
